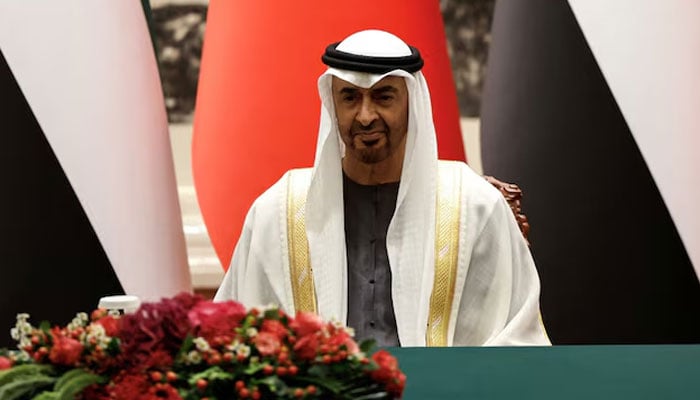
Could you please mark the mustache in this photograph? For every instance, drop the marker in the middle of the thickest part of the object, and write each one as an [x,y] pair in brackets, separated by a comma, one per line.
[358,129]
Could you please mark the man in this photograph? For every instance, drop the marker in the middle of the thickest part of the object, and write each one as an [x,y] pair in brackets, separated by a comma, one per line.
[405,249]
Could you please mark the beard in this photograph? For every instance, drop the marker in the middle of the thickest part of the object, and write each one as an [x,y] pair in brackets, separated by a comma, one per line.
[369,144]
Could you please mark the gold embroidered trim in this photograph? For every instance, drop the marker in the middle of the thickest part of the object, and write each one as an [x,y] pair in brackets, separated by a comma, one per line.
[301,272]
[446,250]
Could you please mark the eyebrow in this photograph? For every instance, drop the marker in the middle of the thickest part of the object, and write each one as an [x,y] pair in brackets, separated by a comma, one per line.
[381,89]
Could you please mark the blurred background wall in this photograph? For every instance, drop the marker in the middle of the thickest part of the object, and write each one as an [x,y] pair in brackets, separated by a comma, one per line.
[179,27]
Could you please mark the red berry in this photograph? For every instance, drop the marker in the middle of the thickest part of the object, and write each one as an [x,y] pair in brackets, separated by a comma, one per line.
[293,370]
[283,357]
[326,359]
[240,385]
[298,393]
[311,389]
[244,393]
[268,369]
[256,395]
[202,384]
[156,376]
[171,376]
[228,357]
[281,371]
[215,359]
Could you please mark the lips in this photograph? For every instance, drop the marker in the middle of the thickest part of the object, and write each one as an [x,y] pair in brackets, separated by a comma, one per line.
[369,139]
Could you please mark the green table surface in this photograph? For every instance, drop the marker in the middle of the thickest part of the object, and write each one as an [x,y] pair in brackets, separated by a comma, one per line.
[558,372]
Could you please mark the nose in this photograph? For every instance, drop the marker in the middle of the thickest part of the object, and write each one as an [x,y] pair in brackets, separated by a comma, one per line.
[367,113]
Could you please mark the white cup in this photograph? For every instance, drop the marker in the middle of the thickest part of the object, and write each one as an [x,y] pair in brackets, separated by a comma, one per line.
[123,304]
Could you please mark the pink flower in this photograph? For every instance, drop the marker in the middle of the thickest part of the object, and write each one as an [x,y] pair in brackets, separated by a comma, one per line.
[306,348]
[306,323]
[274,327]
[267,343]
[65,351]
[342,338]
[213,320]
[5,363]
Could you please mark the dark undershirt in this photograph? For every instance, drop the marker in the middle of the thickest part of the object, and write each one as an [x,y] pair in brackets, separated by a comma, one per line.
[368,211]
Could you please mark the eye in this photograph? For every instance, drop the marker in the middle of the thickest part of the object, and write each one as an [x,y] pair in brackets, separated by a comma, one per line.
[384,98]
[348,97]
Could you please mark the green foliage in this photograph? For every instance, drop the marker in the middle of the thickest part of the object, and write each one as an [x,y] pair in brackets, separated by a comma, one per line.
[21,371]
[73,382]
[39,382]
[25,386]
[211,374]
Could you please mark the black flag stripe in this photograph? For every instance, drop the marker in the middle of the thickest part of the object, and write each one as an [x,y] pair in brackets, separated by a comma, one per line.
[52,261]
[612,265]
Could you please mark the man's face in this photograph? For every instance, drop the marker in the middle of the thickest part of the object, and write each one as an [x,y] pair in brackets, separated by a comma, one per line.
[372,122]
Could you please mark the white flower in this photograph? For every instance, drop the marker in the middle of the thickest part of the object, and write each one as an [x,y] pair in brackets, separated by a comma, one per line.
[201,344]
[80,320]
[251,332]
[22,330]
[193,357]
[243,350]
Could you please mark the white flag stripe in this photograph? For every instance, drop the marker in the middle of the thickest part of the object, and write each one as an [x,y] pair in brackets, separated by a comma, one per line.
[649,53]
[89,73]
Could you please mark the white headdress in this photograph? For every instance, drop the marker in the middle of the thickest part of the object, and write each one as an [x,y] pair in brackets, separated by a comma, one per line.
[373,55]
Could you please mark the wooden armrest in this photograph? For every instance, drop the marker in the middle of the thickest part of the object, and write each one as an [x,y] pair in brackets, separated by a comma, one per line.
[513,194]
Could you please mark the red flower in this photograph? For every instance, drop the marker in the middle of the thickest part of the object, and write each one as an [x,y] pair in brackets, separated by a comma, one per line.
[388,372]
[274,327]
[342,338]
[111,325]
[161,391]
[267,343]
[306,323]
[5,363]
[155,326]
[387,366]
[213,320]
[129,387]
[65,351]
[306,348]
[396,385]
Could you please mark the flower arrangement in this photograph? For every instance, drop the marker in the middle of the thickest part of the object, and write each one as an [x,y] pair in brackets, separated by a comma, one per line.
[189,348]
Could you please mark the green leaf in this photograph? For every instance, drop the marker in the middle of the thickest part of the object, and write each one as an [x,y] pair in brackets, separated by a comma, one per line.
[330,385]
[23,370]
[46,396]
[273,382]
[113,347]
[25,386]
[319,370]
[77,383]
[372,396]
[68,376]
[45,326]
[368,346]
[210,374]
[186,345]
[253,368]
